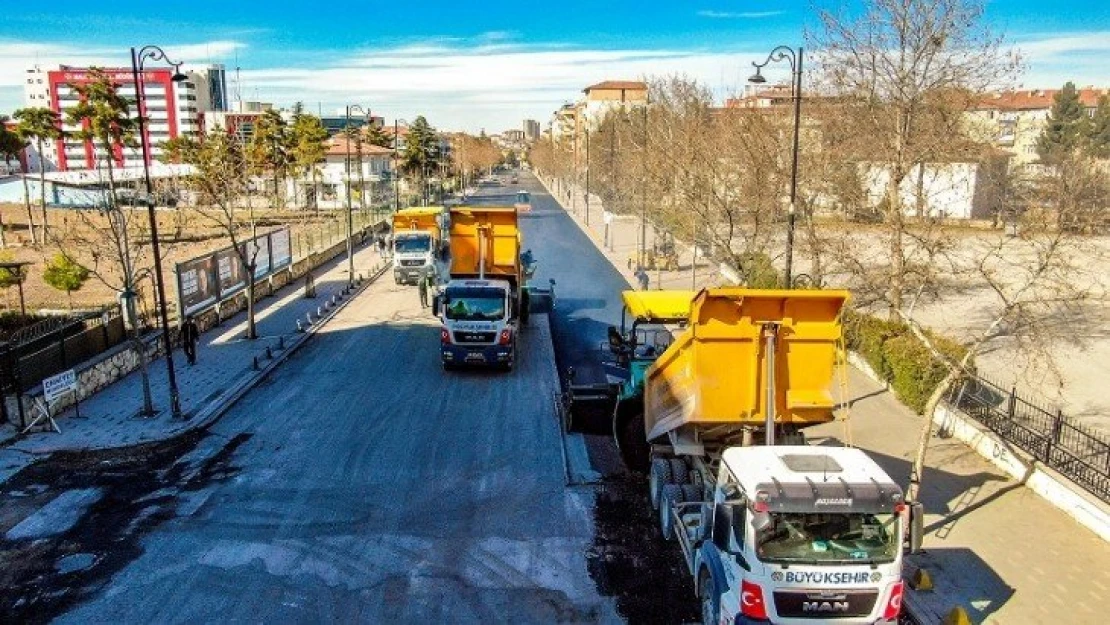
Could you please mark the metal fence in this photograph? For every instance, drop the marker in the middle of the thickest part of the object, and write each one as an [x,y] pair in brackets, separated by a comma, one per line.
[1078,452]
[52,346]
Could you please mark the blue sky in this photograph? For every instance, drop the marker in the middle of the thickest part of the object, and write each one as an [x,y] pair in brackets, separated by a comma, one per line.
[472,65]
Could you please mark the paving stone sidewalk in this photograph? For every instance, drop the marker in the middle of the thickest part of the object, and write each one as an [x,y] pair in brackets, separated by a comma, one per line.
[225,368]
[994,547]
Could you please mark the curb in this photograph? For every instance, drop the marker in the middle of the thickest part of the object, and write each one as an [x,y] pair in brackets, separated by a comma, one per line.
[218,407]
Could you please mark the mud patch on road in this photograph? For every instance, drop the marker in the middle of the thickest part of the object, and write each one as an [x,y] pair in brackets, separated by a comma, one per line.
[629,559]
[42,578]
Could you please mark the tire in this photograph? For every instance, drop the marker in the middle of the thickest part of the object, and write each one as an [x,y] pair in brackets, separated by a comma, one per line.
[659,477]
[672,495]
[680,471]
[710,607]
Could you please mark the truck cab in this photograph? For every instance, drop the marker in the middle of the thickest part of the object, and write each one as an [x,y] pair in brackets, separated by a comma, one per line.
[419,243]
[795,534]
[479,323]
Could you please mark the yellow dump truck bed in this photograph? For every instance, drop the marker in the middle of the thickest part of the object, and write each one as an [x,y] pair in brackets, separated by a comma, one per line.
[422,218]
[485,234]
[715,373]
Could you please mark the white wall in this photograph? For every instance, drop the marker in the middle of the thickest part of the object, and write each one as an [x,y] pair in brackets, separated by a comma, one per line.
[946,189]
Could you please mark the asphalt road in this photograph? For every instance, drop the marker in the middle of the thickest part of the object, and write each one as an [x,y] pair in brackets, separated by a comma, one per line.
[360,483]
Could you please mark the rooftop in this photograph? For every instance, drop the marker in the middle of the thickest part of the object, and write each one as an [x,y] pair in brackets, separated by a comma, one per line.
[1035,99]
[628,85]
[342,146]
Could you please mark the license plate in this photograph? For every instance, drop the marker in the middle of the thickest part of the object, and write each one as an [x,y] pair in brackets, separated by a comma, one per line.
[475,356]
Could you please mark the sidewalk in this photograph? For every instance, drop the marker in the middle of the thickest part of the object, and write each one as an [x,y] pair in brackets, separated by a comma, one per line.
[224,371]
[993,546]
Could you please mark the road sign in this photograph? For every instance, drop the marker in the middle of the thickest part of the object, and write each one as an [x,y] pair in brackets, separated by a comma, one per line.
[58,385]
[608,217]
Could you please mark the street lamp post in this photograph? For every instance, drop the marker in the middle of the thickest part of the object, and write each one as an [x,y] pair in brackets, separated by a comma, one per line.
[794,57]
[138,57]
[350,225]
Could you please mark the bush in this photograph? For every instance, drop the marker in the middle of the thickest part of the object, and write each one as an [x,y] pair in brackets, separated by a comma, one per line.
[866,335]
[899,357]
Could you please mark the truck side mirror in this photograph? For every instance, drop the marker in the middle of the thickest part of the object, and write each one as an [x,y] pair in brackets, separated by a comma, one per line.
[916,526]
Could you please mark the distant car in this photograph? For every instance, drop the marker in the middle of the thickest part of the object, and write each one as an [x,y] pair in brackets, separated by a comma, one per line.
[513,180]
[523,201]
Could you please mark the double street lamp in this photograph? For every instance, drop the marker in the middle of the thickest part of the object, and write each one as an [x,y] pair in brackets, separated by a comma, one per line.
[350,226]
[138,58]
[794,57]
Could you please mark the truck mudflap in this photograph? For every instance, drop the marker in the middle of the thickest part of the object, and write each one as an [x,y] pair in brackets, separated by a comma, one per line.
[629,434]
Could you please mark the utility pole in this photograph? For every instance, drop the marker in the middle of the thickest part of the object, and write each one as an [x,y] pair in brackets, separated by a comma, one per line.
[587,176]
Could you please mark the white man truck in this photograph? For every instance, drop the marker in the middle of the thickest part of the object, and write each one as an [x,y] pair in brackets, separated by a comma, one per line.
[419,243]
[484,303]
[771,532]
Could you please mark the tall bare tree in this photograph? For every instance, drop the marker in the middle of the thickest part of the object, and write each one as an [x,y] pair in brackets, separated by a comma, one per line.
[220,178]
[906,72]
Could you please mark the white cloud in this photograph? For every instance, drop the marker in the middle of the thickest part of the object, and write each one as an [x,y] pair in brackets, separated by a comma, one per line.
[742,15]
[1051,59]
[479,86]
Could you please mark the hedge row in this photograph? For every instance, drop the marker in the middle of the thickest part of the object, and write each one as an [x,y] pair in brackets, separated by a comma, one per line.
[899,357]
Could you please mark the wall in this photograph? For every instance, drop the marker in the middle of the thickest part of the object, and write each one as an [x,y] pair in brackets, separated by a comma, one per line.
[121,360]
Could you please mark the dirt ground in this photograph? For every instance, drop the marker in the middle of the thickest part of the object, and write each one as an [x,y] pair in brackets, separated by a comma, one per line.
[183,234]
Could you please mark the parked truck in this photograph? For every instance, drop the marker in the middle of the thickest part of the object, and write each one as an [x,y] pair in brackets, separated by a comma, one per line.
[419,243]
[772,530]
[485,301]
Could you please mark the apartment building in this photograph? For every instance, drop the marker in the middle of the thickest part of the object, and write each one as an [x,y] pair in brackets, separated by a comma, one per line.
[1014,120]
[171,108]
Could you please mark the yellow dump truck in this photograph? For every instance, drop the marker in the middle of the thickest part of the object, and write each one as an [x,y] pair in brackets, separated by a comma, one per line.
[419,242]
[484,303]
[772,530]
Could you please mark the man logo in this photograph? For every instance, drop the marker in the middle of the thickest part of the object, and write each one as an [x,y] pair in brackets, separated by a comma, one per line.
[825,607]
[875,577]
[776,576]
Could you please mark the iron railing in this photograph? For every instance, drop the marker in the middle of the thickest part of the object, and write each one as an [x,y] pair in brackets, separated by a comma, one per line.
[1075,450]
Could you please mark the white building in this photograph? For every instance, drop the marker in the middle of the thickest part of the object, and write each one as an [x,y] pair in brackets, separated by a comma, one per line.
[372,188]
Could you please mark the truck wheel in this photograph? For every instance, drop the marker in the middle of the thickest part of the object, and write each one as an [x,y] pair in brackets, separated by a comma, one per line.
[710,610]
[679,471]
[672,495]
[659,477]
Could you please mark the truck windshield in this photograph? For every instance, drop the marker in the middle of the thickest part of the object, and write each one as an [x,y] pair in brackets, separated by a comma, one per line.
[475,304]
[410,244]
[818,538]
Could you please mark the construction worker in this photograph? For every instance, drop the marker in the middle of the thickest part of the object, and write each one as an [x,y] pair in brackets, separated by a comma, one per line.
[422,285]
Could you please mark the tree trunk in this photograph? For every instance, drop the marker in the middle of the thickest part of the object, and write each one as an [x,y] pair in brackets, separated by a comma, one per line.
[252,332]
[27,203]
[42,192]
[925,434]
[897,220]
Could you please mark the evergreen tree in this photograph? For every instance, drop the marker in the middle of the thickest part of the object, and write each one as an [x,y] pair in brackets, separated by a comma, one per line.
[1098,137]
[40,124]
[376,136]
[421,154]
[11,144]
[1065,128]
[65,274]
[308,138]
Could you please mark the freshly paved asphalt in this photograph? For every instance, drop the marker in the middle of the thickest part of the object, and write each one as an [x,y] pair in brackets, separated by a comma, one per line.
[360,483]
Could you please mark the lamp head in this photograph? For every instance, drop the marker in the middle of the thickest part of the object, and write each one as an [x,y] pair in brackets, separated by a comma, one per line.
[177,75]
[757,78]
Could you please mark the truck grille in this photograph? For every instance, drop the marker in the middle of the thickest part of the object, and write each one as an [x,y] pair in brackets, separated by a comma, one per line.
[825,604]
[412,263]
[475,337]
